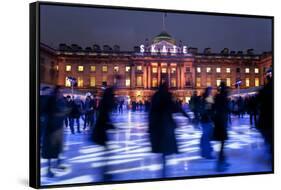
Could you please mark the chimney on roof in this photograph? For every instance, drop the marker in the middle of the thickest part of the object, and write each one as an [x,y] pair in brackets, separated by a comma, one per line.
[225,51]
[207,51]
[250,51]
[193,50]
[240,53]
[136,49]
[232,52]
[116,48]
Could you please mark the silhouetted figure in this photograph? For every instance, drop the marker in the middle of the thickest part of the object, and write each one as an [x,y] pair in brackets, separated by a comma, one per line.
[75,114]
[194,105]
[120,106]
[103,123]
[253,110]
[44,109]
[147,105]
[68,104]
[89,111]
[52,146]
[134,106]
[162,125]
[265,123]
[241,107]
[206,113]
[221,122]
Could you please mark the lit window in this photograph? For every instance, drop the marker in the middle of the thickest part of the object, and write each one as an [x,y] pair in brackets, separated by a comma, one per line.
[154,82]
[93,68]
[139,68]
[104,78]
[173,82]
[208,69]
[164,70]
[218,69]
[247,82]
[139,80]
[173,70]
[257,81]
[56,67]
[115,80]
[116,68]
[154,69]
[198,70]
[247,70]
[128,82]
[67,82]
[128,68]
[228,70]
[68,68]
[80,68]
[104,68]
[228,82]
[218,82]
[256,70]
[93,81]
[198,81]
[80,82]
[208,83]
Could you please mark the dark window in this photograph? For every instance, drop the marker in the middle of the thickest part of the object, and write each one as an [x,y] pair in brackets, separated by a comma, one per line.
[237,70]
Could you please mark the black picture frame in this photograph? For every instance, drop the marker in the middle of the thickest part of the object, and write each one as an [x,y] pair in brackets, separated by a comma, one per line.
[34,84]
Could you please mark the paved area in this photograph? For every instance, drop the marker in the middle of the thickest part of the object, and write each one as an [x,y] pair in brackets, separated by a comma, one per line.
[129,156]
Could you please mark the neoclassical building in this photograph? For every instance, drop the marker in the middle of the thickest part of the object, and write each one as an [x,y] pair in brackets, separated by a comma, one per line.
[138,73]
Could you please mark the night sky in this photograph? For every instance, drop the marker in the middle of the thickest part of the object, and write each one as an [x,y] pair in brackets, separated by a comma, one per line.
[128,28]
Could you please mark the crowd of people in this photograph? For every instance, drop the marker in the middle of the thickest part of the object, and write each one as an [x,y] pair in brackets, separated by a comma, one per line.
[211,114]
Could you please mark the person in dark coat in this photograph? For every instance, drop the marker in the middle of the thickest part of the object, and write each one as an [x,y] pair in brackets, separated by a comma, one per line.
[75,114]
[104,123]
[266,123]
[206,112]
[53,137]
[194,105]
[162,125]
[221,122]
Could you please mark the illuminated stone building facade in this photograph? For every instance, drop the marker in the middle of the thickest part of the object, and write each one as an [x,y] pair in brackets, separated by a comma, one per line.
[142,70]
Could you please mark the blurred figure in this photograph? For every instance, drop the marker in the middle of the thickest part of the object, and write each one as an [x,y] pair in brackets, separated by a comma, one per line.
[103,123]
[221,122]
[253,110]
[265,122]
[89,111]
[194,105]
[75,114]
[56,111]
[162,125]
[120,106]
[241,107]
[44,100]
[206,113]
[68,104]
[147,105]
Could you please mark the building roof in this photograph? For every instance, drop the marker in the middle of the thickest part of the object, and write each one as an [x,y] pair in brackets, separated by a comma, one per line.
[164,36]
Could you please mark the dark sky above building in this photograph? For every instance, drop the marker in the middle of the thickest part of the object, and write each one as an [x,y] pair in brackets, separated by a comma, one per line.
[129,28]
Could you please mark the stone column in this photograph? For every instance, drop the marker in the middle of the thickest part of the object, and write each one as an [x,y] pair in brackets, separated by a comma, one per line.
[169,74]
[178,76]
[133,76]
[159,73]
[144,76]
[182,76]
[149,76]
